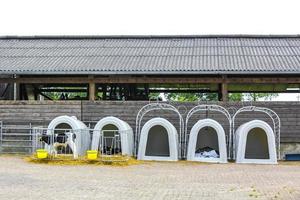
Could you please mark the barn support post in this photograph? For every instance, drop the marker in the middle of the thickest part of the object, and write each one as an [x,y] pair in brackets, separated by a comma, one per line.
[92,88]
[224,90]
[220,92]
[16,89]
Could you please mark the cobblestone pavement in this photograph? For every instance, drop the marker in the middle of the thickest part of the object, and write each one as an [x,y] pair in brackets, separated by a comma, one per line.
[179,180]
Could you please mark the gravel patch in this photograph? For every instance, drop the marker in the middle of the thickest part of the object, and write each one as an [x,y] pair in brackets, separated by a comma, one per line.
[155,180]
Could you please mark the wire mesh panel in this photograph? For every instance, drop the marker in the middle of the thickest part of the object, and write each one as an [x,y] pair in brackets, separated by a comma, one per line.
[276,124]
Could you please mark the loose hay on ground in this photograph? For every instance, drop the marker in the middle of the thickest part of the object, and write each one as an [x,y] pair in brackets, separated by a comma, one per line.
[118,160]
[67,160]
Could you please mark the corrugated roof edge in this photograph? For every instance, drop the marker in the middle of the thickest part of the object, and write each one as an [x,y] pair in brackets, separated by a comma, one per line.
[295,73]
[72,37]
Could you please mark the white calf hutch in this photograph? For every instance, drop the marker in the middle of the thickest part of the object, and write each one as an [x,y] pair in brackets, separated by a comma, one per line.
[207,133]
[158,139]
[112,135]
[207,138]
[75,132]
[256,141]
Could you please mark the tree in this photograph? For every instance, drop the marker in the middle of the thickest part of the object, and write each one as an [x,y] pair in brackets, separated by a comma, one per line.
[258,96]
[154,96]
[192,96]
[235,97]
[214,96]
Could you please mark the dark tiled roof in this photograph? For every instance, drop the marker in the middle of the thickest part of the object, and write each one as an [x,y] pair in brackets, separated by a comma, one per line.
[150,55]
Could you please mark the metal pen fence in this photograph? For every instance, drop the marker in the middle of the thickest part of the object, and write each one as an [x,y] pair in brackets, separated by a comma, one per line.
[16,139]
[27,139]
[58,142]
[110,142]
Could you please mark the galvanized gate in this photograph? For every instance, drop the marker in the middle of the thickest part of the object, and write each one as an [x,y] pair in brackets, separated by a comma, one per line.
[16,139]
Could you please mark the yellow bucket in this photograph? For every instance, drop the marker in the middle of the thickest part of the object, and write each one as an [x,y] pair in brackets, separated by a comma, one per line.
[41,153]
[92,154]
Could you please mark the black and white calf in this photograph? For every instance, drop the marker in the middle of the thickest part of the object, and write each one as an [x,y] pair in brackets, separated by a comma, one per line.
[59,141]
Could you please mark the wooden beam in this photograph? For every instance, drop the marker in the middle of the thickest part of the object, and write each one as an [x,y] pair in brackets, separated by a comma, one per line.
[159,80]
[181,90]
[291,80]
[16,90]
[92,88]
[61,90]
[224,92]
[83,80]
[220,92]
[224,88]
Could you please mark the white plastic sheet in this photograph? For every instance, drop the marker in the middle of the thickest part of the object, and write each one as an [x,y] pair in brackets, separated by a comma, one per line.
[208,154]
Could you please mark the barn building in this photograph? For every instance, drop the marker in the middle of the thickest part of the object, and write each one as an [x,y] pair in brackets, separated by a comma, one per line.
[117,75]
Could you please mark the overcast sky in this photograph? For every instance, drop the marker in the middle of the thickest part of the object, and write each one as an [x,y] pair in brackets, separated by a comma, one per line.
[149,17]
[144,17]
